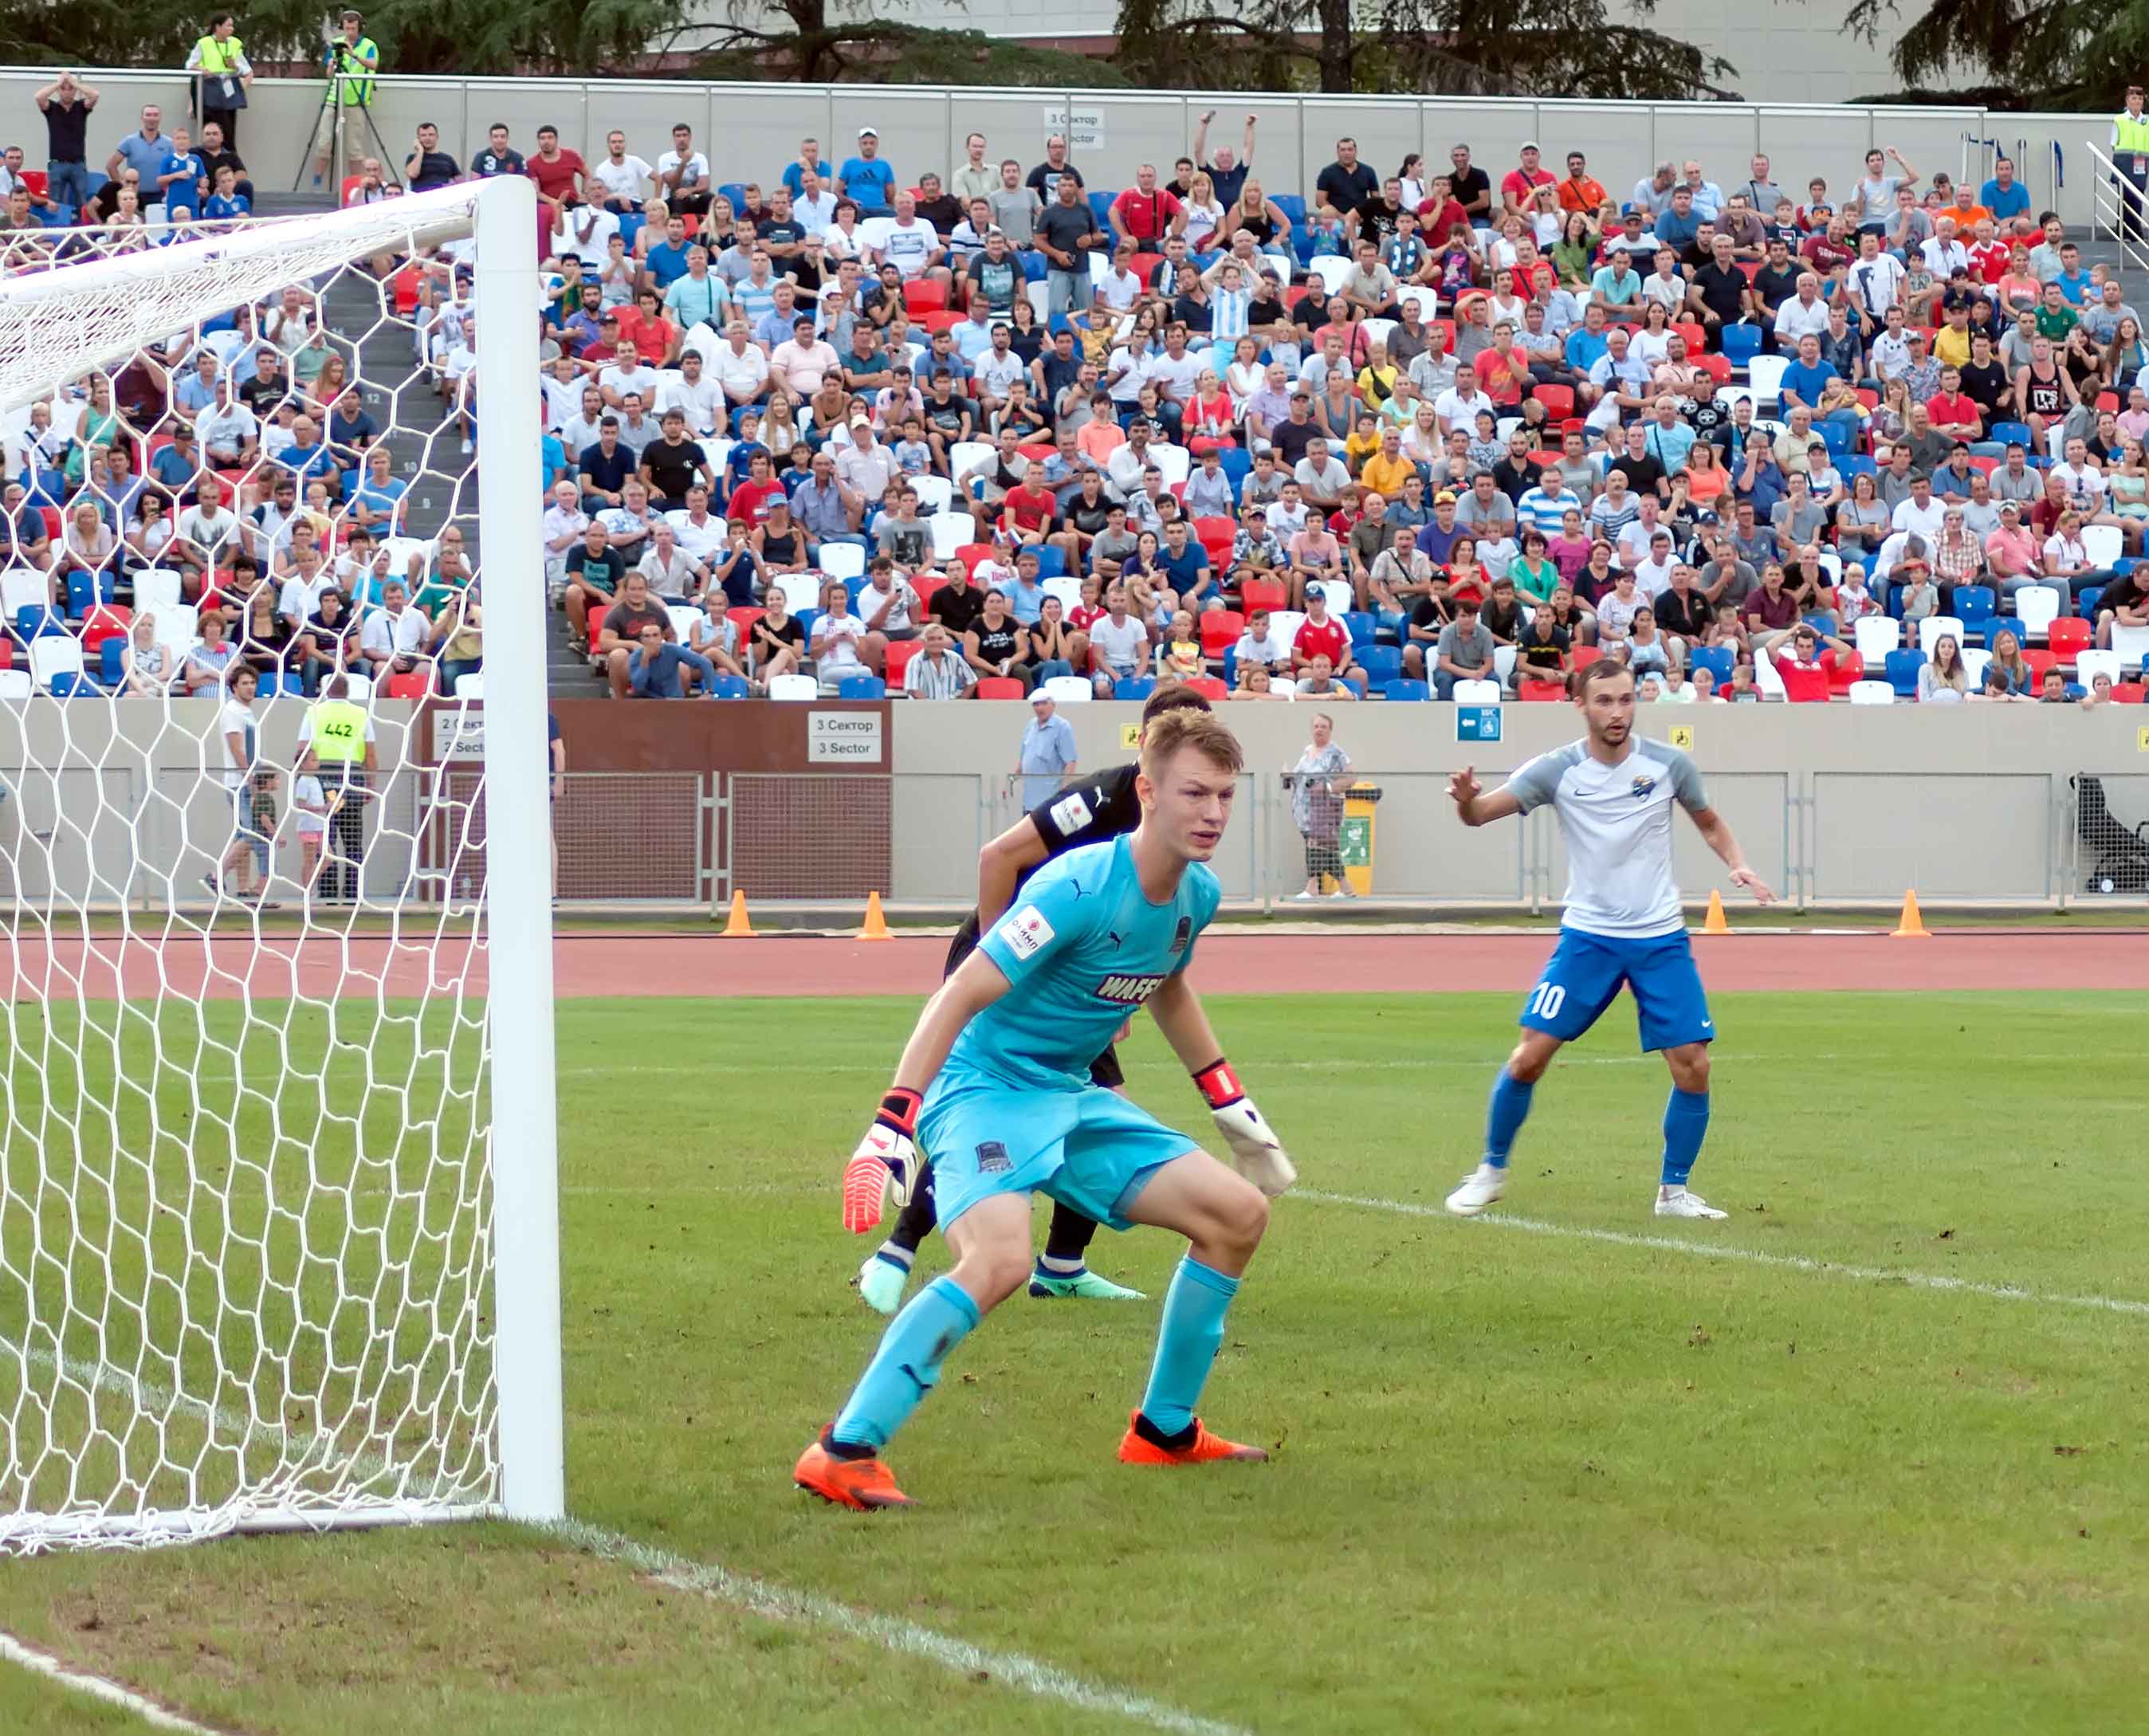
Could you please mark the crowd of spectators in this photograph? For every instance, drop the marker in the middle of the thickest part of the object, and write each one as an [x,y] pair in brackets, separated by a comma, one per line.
[1455,427]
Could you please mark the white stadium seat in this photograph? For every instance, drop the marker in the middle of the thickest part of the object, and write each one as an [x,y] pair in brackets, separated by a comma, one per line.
[794,686]
[1872,693]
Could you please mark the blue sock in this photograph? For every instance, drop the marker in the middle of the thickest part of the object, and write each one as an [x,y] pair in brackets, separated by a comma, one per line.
[1504,1116]
[1187,1342]
[907,1366]
[1686,1125]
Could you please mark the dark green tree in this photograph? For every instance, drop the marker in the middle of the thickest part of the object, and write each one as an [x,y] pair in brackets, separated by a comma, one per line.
[2035,54]
[824,41]
[1448,46]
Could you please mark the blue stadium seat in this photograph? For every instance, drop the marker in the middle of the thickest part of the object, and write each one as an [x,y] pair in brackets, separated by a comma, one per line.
[1857,464]
[79,596]
[1740,343]
[1051,562]
[630,226]
[1291,204]
[1381,662]
[806,618]
[862,687]
[1835,437]
[290,683]
[112,661]
[1902,667]
[729,686]
[1101,203]
[2014,434]
[1238,465]
[1976,604]
[1407,690]
[734,191]
[1139,687]
[1716,659]
[1035,266]
[2085,602]
[1362,624]
[1356,682]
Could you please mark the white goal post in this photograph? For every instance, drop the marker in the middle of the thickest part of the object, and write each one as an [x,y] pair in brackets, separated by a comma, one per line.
[279,1195]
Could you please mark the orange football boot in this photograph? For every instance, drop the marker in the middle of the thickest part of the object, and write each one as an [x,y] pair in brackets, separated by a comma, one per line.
[1136,1448]
[862,1483]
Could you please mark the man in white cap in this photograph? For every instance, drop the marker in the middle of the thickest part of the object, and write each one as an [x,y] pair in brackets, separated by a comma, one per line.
[866,179]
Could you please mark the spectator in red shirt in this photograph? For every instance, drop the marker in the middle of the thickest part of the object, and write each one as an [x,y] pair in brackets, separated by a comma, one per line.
[558,174]
[1440,214]
[750,499]
[1030,510]
[1952,414]
[1520,184]
[1145,213]
[1320,635]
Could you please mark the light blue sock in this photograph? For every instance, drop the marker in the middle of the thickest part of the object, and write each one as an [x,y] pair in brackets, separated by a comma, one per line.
[1187,1342]
[907,1366]
[1504,1116]
[1686,1125]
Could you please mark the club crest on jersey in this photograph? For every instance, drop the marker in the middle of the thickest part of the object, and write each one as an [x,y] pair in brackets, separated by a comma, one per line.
[1181,934]
[1642,785]
[1127,991]
[992,1158]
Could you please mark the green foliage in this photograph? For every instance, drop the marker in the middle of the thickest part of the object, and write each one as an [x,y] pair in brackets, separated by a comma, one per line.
[2035,54]
[1445,46]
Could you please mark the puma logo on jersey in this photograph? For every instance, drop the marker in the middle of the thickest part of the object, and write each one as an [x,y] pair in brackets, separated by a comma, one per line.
[1127,991]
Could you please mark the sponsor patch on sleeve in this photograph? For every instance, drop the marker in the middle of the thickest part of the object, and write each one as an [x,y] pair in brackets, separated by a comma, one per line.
[1026,934]
[1070,813]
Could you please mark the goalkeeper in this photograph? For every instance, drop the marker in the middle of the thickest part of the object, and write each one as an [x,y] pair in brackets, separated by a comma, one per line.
[1090,813]
[994,1083]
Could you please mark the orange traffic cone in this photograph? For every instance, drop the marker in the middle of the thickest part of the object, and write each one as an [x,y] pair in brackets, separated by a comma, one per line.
[1714,922]
[876,928]
[1911,926]
[738,928]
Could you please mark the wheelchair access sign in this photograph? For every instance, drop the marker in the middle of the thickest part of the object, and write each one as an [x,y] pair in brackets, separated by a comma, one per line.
[1478,723]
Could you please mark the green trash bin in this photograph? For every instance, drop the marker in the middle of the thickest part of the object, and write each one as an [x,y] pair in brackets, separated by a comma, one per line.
[1354,839]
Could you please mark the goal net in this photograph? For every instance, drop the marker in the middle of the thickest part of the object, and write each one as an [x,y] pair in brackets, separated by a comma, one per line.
[277,1251]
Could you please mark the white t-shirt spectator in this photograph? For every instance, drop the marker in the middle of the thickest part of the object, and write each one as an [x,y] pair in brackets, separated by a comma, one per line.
[299,599]
[700,402]
[1457,411]
[698,168]
[900,617]
[1177,376]
[308,800]
[1119,645]
[235,720]
[211,529]
[1271,648]
[1926,521]
[908,246]
[996,373]
[835,645]
[704,541]
[740,373]
[1874,284]
[386,634]
[640,377]
[226,427]
[867,473]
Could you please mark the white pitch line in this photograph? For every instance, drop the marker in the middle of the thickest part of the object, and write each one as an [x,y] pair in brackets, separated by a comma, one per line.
[13,1651]
[1746,1257]
[1012,1669]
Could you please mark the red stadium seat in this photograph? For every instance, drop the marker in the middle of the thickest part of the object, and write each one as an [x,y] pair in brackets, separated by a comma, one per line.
[2067,635]
[1843,667]
[343,192]
[1544,692]
[2107,403]
[1209,687]
[940,320]
[408,686]
[971,553]
[1717,367]
[1695,333]
[1000,686]
[1263,594]
[2039,660]
[1559,401]
[1036,452]
[1145,263]
[924,296]
[1803,687]
[2122,692]
[37,181]
[900,652]
[1216,536]
[1220,631]
[925,586]
[742,621]
[106,620]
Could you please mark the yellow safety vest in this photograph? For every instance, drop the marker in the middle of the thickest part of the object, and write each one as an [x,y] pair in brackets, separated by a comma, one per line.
[356,92]
[339,731]
[2131,134]
[218,58]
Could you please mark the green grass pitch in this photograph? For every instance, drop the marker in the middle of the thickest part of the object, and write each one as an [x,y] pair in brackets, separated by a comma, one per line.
[1555,1476]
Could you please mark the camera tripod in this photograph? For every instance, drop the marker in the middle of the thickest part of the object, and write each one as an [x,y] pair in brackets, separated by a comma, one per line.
[341,64]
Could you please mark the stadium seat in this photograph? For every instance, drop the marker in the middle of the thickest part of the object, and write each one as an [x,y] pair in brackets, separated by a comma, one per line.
[1477,692]
[2067,635]
[1875,636]
[1902,668]
[729,686]
[1975,606]
[112,661]
[1544,692]
[799,687]
[998,686]
[406,686]
[1844,669]
[1717,660]
[1052,562]
[1269,594]
[1739,344]
[1765,373]
[1872,693]
[2013,434]
[1933,626]
[1215,536]
[1559,401]
[2036,606]
[14,684]
[1406,690]
[2040,661]
[900,652]
[862,687]
[924,295]
[1363,624]
[1382,663]
[1209,687]
[54,658]
[845,560]
[1135,687]
[2122,692]
[2091,664]
[1220,629]
[1067,689]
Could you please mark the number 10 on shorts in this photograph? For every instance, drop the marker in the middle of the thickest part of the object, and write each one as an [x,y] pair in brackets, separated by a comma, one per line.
[1545,1000]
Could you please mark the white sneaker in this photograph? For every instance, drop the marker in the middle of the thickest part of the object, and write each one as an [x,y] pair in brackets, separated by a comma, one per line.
[1483,1186]
[1678,1202]
[1307,895]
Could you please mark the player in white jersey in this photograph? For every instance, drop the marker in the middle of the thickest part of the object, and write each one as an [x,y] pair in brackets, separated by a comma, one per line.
[1622,924]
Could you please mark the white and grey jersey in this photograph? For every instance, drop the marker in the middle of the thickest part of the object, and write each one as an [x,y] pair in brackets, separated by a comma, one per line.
[1617,821]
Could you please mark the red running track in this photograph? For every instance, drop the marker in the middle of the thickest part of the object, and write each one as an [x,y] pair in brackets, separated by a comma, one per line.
[325,967]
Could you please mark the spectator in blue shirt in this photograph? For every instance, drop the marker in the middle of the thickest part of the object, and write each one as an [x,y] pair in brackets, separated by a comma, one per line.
[227,202]
[1806,378]
[146,153]
[1586,344]
[1679,222]
[306,457]
[183,192]
[653,669]
[174,468]
[667,261]
[1025,591]
[866,179]
[1184,563]
[2004,196]
[2072,280]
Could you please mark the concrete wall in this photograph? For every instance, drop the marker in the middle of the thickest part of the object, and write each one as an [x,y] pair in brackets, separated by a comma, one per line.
[1832,803]
[750,131]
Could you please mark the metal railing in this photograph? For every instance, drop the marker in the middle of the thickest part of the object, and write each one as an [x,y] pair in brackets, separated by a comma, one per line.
[2118,208]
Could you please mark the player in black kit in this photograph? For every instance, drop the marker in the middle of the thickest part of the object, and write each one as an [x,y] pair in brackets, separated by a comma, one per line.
[1088,811]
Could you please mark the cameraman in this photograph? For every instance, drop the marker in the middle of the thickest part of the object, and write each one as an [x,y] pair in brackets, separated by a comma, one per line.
[351,59]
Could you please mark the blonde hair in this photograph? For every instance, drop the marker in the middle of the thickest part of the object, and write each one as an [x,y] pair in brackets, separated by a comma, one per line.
[1202,731]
